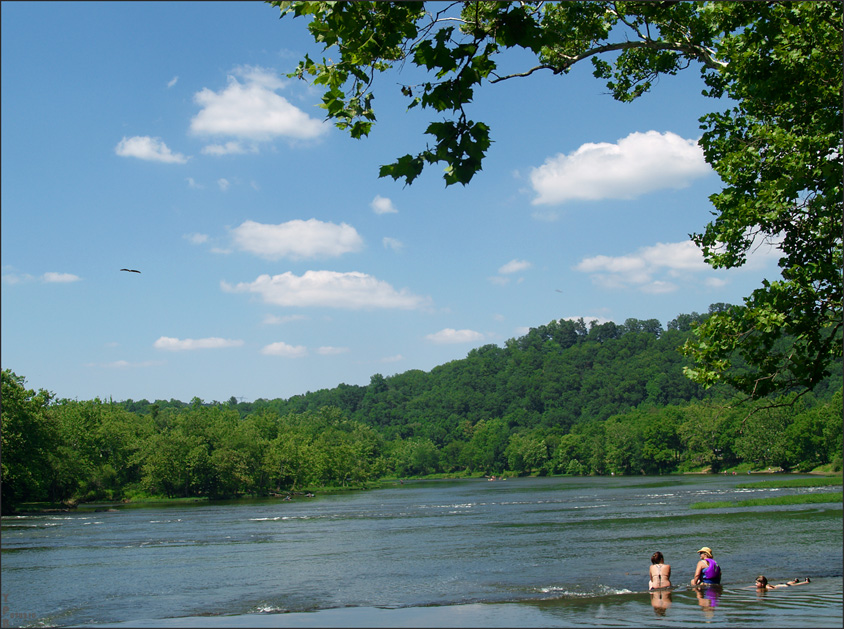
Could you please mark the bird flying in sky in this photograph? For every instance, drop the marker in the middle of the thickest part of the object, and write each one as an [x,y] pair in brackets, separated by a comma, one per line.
[130,270]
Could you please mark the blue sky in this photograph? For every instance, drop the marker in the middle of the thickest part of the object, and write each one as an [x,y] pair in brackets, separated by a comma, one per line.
[165,137]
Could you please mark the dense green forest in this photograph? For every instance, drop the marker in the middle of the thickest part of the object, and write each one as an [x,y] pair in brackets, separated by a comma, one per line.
[563,399]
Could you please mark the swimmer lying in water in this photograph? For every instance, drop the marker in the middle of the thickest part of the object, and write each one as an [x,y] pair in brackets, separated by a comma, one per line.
[762,583]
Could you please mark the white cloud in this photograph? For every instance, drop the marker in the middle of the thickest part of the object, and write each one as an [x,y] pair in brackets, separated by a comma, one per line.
[637,164]
[193,184]
[514,266]
[650,269]
[450,335]
[229,148]
[297,239]
[13,278]
[283,349]
[196,239]
[149,149]
[173,81]
[392,243]
[328,289]
[177,345]
[252,110]
[223,184]
[327,350]
[392,359]
[382,205]
[59,278]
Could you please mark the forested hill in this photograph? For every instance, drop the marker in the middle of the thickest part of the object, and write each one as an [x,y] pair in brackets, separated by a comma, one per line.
[555,376]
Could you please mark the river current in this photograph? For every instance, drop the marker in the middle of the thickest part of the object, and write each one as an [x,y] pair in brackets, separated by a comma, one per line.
[529,552]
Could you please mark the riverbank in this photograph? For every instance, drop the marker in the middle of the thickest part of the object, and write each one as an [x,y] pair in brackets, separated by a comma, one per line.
[31,508]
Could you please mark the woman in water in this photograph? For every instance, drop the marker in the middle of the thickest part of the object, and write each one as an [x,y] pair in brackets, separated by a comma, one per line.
[708,571]
[660,573]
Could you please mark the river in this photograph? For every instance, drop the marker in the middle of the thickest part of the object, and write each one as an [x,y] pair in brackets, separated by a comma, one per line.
[529,552]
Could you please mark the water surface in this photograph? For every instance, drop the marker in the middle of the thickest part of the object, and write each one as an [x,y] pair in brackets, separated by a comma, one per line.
[551,552]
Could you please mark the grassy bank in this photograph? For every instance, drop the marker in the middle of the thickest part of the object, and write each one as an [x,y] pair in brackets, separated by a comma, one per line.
[794,482]
[825,497]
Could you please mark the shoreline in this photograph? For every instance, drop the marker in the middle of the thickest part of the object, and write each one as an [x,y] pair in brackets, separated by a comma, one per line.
[108,505]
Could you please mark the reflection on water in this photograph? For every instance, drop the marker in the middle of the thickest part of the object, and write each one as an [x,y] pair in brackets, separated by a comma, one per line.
[708,597]
[661,601]
[529,552]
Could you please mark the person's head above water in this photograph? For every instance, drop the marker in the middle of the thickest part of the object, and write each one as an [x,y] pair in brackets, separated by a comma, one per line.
[706,550]
[657,557]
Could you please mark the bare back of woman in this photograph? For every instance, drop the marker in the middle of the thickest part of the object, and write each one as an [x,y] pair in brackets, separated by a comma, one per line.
[660,573]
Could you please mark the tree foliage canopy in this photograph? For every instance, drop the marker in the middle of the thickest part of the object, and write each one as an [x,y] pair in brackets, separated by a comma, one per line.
[777,145]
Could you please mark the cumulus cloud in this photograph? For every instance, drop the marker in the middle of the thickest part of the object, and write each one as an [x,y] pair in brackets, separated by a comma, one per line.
[514,266]
[149,149]
[297,239]
[283,349]
[635,165]
[59,278]
[329,289]
[249,108]
[450,335]
[178,345]
[382,205]
[642,268]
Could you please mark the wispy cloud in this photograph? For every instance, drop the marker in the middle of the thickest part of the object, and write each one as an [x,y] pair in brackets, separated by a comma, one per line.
[125,364]
[59,278]
[148,149]
[178,345]
[382,205]
[635,165]
[276,320]
[450,335]
[283,349]
[328,350]
[329,289]
[297,239]
[249,108]
[392,243]
[173,81]
[196,238]
[12,277]
[229,148]
[514,266]
[223,184]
